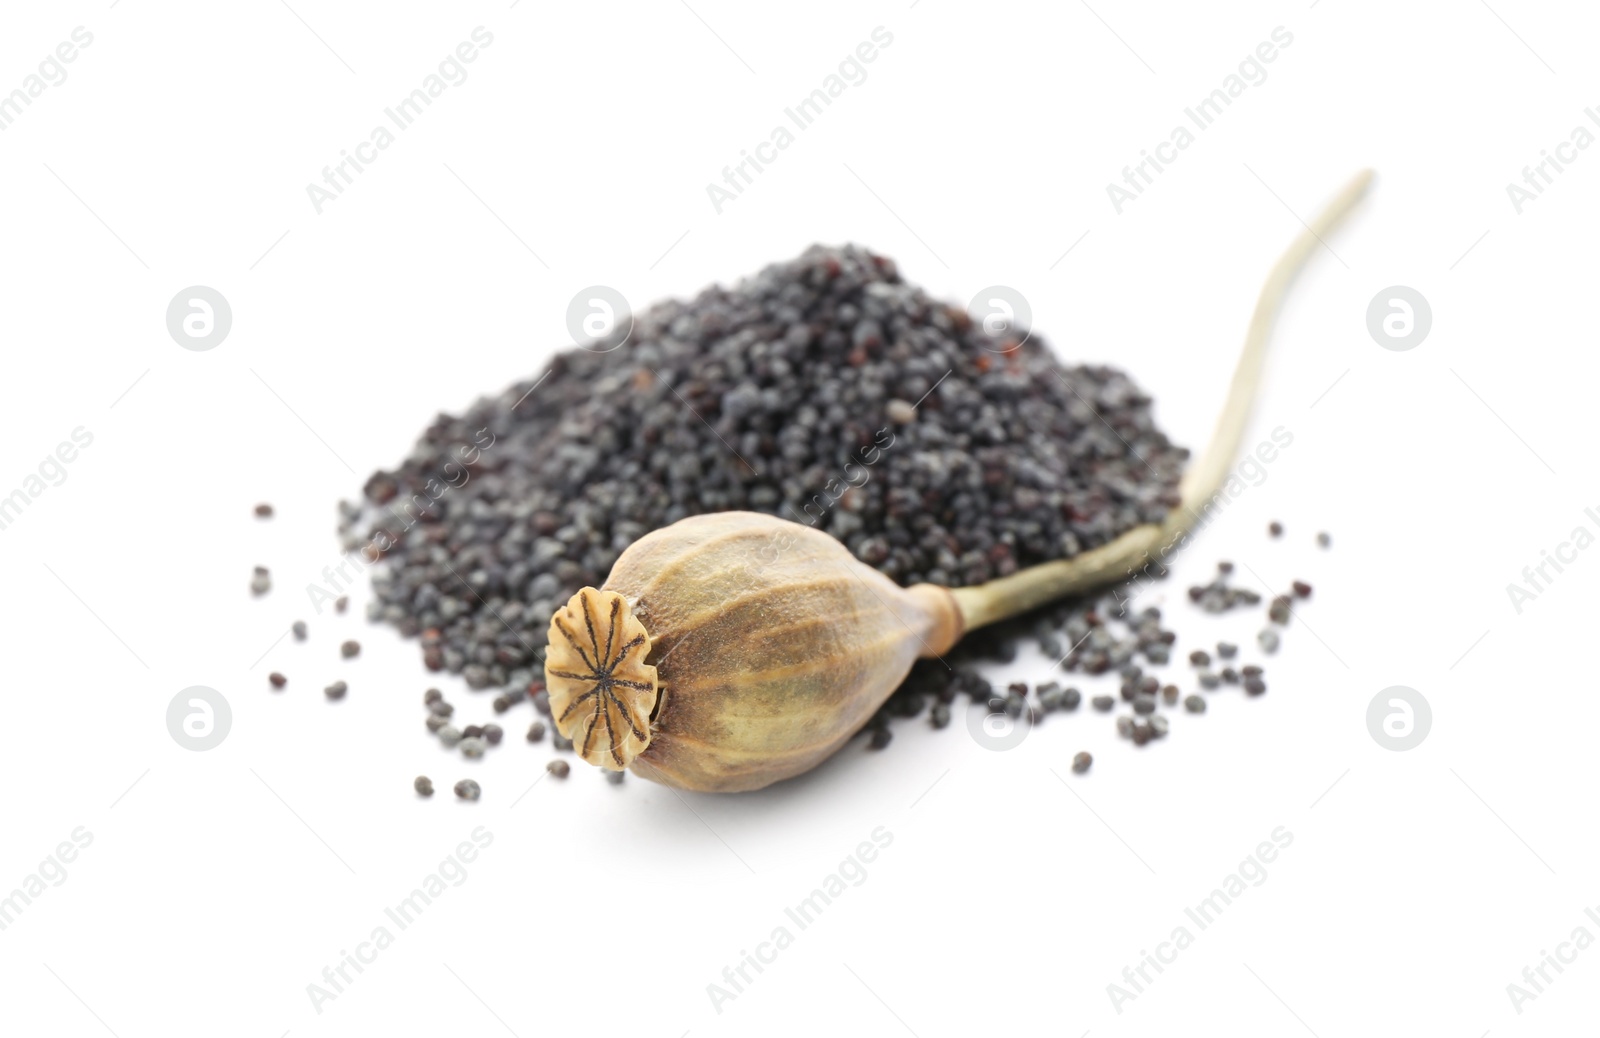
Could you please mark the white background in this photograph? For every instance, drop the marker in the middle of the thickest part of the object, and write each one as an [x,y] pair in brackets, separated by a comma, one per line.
[219,884]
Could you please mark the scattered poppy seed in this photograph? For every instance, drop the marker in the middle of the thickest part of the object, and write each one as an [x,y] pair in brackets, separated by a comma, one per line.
[1103,703]
[1268,640]
[1275,528]
[1141,733]
[1229,676]
[431,697]
[1124,725]
[1278,611]
[450,735]
[336,690]
[1200,658]
[472,746]
[423,785]
[1194,704]
[1070,698]
[299,629]
[614,777]
[1169,695]
[1324,541]
[1208,680]
[1159,726]
[1301,589]
[341,603]
[440,707]
[350,648]
[1081,761]
[1143,704]
[880,738]
[467,789]
[1254,686]
[560,742]
[472,731]
[939,717]
[435,722]
[536,731]
[1251,670]
[1227,650]
[493,733]
[263,511]
[261,582]
[559,768]
[277,680]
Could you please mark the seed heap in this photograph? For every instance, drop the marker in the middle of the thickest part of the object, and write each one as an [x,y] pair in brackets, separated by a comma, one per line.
[825,390]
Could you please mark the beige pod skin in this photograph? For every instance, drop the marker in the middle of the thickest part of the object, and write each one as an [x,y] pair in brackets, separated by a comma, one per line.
[732,650]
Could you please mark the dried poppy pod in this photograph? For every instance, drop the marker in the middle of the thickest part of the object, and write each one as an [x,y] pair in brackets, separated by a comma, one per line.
[732,650]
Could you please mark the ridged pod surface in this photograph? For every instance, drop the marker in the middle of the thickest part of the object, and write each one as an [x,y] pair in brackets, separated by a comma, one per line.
[767,642]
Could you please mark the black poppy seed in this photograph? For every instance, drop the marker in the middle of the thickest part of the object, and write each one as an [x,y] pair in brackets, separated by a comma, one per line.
[277,680]
[615,778]
[1267,640]
[341,603]
[1081,761]
[1254,686]
[939,716]
[1194,704]
[880,738]
[1200,658]
[1278,610]
[1159,726]
[1275,528]
[440,707]
[1104,704]
[1229,676]
[472,731]
[559,768]
[435,722]
[472,746]
[431,696]
[263,511]
[536,731]
[560,742]
[449,735]
[1301,589]
[260,581]
[1324,540]
[1169,694]
[1070,698]
[1124,725]
[299,629]
[1141,732]
[1144,704]
[1227,650]
[336,690]
[1207,679]
[467,789]
[350,648]
[1008,458]
[1251,670]
[423,785]
[493,733]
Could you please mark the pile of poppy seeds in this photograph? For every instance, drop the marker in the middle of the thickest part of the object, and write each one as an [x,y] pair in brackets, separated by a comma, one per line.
[825,390]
